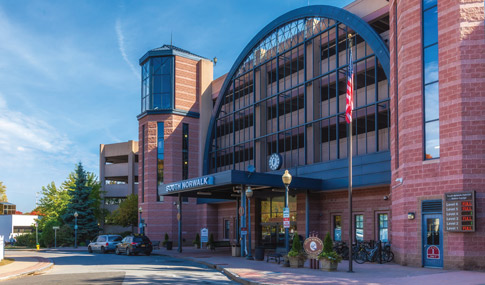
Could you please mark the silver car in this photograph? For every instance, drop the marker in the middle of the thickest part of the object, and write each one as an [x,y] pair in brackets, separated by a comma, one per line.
[104,243]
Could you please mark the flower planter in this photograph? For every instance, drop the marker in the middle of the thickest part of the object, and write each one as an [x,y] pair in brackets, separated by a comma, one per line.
[328,265]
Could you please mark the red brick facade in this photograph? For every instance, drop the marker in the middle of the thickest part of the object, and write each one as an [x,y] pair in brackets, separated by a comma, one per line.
[462,126]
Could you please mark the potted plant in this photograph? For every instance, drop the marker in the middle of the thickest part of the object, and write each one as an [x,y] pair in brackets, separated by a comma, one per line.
[196,242]
[210,242]
[167,243]
[296,256]
[329,258]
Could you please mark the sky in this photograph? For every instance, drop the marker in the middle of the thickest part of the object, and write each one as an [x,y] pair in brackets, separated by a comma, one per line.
[70,78]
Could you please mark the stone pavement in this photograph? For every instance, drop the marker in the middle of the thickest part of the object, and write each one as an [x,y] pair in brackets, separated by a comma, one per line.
[261,272]
[23,265]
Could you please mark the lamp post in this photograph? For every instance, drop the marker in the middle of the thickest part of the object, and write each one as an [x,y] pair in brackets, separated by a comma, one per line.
[75,229]
[141,225]
[37,235]
[249,194]
[287,181]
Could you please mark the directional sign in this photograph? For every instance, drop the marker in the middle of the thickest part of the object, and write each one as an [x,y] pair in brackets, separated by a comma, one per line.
[56,227]
[286,212]
[244,231]
[204,235]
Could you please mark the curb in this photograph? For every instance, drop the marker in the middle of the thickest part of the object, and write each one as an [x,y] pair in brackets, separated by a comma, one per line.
[31,272]
[231,275]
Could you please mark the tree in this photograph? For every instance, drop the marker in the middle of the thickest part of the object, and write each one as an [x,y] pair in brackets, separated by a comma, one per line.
[127,213]
[3,192]
[81,201]
[95,195]
[53,204]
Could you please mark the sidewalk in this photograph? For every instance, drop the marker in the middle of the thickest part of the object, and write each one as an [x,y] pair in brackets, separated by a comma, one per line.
[23,265]
[261,272]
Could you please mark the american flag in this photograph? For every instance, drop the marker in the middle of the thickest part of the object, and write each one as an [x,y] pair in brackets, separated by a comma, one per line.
[349,100]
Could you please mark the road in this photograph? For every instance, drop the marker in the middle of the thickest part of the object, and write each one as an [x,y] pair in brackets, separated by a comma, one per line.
[84,268]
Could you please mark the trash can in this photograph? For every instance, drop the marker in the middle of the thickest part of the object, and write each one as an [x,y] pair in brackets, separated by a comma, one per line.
[259,253]
[168,245]
[236,250]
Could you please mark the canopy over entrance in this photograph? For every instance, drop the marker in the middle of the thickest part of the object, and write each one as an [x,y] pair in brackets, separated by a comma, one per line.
[221,185]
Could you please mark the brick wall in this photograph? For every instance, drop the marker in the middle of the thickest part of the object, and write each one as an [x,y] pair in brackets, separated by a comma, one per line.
[462,126]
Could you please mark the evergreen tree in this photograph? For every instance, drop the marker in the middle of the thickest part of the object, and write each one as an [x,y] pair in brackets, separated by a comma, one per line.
[83,203]
[327,243]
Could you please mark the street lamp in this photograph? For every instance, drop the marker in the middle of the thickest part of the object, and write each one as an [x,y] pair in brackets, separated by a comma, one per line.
[141,225]
[287,181]
[75,229]
[37,236]
[249,194]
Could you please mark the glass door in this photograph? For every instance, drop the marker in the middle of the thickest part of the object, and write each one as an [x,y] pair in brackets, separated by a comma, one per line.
[432,240]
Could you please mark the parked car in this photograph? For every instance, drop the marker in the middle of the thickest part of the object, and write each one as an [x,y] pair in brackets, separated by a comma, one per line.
[134,244]
[104,243]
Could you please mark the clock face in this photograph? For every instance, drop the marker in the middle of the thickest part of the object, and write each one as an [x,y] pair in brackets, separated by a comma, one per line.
[274,161]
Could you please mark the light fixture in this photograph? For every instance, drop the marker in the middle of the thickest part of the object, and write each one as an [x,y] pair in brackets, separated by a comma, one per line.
[140,210]
[411,216]
[386,197]
[204,193]
[214,60]
[76,214]
[249,192]
[286,178]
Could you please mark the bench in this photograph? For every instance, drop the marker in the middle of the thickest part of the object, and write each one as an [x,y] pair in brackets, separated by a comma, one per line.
[222,243]
[156,244]
[276,255]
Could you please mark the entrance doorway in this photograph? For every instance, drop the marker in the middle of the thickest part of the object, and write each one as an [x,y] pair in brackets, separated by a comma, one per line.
[272,231]
[432,240]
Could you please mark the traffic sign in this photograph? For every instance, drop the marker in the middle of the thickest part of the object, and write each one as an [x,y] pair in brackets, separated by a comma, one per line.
[286,224]
[244,231]
[56,227]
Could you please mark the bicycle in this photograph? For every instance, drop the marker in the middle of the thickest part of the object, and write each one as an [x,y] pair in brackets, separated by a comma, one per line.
[386,253]
[342,249]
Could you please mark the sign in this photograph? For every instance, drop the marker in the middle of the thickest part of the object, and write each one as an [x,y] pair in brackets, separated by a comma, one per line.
[244,231]
[75,227]
[313,246]
[433,252]
[460,211]
[241,211]
[286,212]
[286,223]
[192,183]
[178,216]
[140,225]
[56,227]
[204,235]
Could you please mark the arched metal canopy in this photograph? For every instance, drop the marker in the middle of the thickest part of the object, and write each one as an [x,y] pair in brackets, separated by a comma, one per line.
[338,14]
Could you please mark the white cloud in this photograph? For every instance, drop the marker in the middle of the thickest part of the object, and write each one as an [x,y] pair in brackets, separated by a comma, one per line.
[121,45]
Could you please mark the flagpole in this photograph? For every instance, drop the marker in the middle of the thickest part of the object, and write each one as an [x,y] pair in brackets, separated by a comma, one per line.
[349,154]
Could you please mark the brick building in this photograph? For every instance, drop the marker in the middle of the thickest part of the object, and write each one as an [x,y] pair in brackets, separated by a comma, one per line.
[418,131]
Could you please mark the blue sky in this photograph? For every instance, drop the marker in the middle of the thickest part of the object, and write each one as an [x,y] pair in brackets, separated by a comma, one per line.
[70,79]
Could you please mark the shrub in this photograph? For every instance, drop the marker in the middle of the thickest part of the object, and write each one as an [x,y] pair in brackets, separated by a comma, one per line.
[65,236]
[48,235]
[26,240]
[327,243]
[126,233]
[165,240]
[197,240]
[296,248]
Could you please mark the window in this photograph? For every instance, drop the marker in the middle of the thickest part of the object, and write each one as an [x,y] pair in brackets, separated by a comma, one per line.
[160,154]
[431,80]
[143,164]
[101,239]
[156,91]
[23,229]
[359,227]
[113,200]
[185,151]
[227,229]
[383,226]
[337,228]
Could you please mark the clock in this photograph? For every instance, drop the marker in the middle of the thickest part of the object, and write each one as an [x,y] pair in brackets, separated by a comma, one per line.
[275,161]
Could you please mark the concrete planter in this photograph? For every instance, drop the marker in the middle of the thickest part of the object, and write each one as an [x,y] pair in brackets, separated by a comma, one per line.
[328,265]
[296,261]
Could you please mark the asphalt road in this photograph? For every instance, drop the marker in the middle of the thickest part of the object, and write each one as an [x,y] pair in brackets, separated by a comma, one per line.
[84,268]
